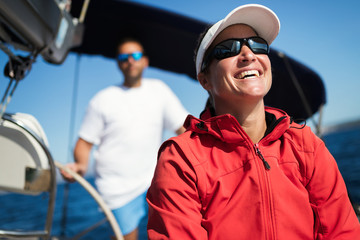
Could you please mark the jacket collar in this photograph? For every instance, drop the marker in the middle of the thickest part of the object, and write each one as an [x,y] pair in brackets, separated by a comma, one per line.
[227,129]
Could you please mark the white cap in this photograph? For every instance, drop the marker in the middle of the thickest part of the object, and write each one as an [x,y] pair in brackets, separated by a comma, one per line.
[262,19]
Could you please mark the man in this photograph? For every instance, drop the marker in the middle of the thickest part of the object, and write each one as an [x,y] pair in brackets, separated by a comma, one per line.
[126,123]
[243,170]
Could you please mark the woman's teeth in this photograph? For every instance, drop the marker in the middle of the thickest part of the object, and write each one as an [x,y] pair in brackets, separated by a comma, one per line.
[248,74]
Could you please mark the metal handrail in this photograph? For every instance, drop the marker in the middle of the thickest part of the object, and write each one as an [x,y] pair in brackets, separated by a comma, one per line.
[91,190]
[24,234]
[52,190]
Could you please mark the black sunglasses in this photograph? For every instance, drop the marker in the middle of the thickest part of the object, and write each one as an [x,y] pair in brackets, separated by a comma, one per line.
[232,47]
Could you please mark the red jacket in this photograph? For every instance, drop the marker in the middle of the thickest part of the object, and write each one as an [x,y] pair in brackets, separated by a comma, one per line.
[212,182]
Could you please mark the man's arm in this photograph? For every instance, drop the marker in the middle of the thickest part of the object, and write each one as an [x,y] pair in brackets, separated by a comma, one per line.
[81,155]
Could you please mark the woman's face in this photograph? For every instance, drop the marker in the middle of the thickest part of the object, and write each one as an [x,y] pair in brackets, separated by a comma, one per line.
[243,78]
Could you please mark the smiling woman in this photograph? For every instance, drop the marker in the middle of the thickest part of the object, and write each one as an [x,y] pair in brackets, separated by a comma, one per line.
[242,163]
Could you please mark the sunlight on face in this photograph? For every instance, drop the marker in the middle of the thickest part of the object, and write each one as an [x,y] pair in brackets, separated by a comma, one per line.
[240,79]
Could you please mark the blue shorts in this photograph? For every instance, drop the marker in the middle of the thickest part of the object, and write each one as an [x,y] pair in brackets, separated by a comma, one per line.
[133,215]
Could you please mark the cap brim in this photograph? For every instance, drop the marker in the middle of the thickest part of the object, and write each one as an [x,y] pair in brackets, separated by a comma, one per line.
[262,19]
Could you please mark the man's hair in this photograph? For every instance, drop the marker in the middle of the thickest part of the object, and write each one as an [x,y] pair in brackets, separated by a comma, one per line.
[129,39]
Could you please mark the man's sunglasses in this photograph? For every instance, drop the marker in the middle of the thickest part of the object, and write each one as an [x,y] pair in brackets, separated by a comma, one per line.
[125,57]
[232,47]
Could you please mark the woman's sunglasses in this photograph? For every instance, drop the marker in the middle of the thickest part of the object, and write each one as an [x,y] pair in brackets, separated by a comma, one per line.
[232,47]
[125,57]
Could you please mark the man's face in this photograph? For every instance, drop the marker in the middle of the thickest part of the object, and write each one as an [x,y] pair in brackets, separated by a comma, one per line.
[239,79]
[131,68]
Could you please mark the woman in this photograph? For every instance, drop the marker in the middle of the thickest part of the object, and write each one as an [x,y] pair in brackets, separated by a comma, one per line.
[243,170]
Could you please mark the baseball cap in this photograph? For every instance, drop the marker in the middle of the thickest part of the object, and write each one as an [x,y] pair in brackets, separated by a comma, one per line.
[262,19]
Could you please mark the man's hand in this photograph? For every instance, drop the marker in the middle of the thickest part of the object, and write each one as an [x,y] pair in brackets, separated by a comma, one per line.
[75,167]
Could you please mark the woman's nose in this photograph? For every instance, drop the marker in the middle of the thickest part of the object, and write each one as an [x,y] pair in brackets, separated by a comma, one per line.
[246,54]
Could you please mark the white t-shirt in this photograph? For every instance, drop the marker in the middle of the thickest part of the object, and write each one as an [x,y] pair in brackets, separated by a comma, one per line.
[127,126]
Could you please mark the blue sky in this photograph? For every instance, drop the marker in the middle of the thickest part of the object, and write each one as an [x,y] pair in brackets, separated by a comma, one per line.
[323,35]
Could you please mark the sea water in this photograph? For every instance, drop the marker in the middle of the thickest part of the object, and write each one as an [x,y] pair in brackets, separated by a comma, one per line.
[345,147]
[73,214]
[79,210]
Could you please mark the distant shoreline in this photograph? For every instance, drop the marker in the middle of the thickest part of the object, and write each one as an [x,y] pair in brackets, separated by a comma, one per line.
[341,127]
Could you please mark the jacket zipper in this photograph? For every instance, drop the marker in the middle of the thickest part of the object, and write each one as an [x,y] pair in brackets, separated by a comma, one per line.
[267,195]
[258,152]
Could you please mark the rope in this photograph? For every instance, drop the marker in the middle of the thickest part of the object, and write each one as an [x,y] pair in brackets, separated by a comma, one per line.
[8,52]
[84,10]
[3,104]
[16,69]
[71,134]
[6,97]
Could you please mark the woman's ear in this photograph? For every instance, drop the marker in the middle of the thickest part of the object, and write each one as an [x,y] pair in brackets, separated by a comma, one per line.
[202,77]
